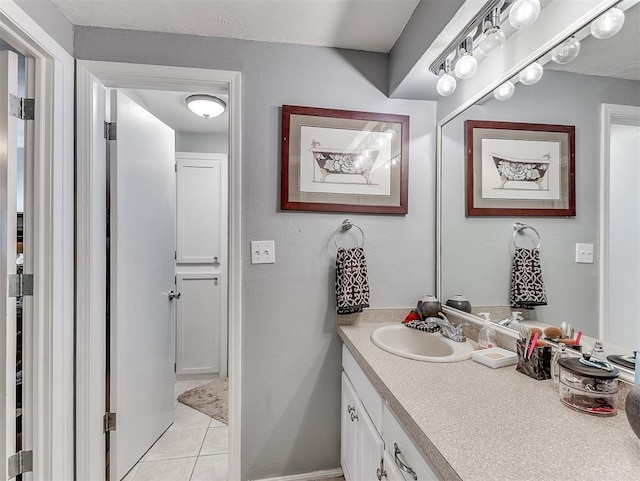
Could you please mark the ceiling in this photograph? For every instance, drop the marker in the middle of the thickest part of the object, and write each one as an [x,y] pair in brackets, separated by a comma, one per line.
[371,25]
[618,56]
[170,107]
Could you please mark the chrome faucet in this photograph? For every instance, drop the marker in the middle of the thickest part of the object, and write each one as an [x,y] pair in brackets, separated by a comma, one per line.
[515,316]
[450,331]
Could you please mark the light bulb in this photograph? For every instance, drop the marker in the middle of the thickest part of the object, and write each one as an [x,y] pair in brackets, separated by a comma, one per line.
[566,51]
[446,84]
[607,24]
[531,74]
[493,41]
[505,91]
[466,66]
[523,13]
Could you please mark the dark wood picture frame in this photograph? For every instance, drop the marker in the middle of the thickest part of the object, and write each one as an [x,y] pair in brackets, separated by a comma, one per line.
[529,178]
[356,185]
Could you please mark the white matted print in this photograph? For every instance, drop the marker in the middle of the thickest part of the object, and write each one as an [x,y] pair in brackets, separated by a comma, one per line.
[520,169]
[343,161]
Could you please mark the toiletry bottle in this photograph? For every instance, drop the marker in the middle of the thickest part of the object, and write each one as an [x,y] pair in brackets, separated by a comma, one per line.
[486,336]
[555,368]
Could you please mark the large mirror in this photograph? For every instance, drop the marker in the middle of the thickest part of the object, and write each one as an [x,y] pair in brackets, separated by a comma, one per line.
[597,297]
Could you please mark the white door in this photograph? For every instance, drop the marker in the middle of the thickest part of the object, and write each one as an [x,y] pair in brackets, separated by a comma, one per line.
[623,269]
[142,239]
[8,217]
[198,323]
[201,264]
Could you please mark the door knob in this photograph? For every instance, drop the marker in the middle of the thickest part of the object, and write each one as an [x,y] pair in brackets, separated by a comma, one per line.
[174,295]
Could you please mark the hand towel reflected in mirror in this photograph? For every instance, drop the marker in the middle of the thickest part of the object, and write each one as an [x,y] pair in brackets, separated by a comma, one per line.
[352,282]
[527,286]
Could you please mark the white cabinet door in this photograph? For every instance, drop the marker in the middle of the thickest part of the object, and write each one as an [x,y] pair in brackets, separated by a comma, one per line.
[199,324]
[349,431]
[199,217]
[370,447]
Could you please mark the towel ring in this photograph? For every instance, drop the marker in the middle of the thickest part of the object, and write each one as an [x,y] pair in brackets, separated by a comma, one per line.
[346,225]
[518,227]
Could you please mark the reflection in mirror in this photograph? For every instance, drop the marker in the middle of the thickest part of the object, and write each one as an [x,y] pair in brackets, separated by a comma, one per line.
[476,252]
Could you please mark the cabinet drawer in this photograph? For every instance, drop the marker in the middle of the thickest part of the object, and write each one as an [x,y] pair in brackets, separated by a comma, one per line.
[367,393]
[401,449]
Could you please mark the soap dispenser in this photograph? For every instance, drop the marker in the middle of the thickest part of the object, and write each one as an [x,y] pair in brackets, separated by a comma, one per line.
[487,335]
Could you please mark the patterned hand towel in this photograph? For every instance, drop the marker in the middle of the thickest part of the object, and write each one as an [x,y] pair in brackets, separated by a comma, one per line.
[527,286]
[352,283]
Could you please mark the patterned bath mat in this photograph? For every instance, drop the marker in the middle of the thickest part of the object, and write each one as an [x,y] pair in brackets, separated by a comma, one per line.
[211,399]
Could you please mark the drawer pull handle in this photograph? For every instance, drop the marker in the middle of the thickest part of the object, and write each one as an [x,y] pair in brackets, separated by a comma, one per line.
[354,416]
[401,465]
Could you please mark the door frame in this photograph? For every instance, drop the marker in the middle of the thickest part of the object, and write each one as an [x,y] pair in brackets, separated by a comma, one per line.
[52,368]
[91,244]
[610,114]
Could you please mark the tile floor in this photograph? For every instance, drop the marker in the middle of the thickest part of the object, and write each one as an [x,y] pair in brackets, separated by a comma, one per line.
[194,448]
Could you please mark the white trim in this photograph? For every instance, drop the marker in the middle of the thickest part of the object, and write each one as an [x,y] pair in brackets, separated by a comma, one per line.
[52,363]
[315,476]
[90,218]
[610,114]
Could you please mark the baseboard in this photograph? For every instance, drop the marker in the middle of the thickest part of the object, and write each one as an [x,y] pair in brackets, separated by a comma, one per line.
[315,476]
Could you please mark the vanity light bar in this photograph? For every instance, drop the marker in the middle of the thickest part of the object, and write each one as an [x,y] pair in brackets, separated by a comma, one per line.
[453,46]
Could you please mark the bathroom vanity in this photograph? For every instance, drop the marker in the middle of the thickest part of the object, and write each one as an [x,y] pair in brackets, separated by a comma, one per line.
[465,421]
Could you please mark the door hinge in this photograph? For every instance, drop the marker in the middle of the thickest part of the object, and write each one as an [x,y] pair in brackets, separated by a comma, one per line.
[20,285]
[175,255]
[110,130]
[109,422]
[20,463]
[176,167]
[174,367]
[21,107]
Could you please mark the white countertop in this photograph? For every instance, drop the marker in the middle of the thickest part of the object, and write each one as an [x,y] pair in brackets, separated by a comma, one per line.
[478,423]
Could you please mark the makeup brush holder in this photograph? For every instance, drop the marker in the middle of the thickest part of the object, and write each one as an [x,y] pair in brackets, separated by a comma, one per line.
[538,366]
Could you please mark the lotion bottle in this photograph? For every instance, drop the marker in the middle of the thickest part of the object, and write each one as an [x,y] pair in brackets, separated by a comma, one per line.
[486,336]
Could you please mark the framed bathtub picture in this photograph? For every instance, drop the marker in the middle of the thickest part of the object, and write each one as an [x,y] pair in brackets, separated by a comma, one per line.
[519,169]
[344,161]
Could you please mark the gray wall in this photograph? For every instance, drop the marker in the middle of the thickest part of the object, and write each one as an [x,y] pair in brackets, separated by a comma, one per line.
[291,353]
[476,256]
[51,20]
[194,142]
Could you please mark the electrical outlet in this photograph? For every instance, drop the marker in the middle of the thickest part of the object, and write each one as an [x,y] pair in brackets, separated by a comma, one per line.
[584,253]
[263,252]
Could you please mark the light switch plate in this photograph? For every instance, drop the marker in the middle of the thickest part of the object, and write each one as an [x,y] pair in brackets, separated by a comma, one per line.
[584,253]
[263,252]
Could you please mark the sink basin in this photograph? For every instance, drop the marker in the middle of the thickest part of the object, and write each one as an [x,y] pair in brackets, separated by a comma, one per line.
[419,345]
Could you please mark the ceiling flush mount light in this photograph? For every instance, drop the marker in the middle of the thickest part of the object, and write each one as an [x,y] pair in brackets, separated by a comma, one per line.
[523,13]
[206,106]
[566,51]
[494,38]
[466,65]
[607,24]
[447,83]
[505,91]
[531,74]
